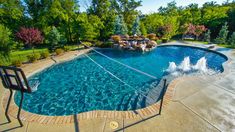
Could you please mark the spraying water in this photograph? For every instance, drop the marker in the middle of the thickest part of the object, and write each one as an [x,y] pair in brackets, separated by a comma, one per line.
[201,65]
[172,67]
[185,65]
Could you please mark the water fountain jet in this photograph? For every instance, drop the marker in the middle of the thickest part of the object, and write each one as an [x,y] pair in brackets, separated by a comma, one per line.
[201,65]
[172,67]
[185,65]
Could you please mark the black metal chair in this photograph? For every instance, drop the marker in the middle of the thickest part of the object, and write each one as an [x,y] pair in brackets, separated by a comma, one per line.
[14,79]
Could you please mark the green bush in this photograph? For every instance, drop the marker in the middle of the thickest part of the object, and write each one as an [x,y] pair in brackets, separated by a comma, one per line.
[45,54]
[54,37]
[59,51]
[66,48]
[232,39]
[87,43]
[223,34]
[108,44]
[34,57]
[99,43]
[37,56]
[164,40]
[17,63]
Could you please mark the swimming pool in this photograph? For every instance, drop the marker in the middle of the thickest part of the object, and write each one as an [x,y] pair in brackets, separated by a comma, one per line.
[94,82]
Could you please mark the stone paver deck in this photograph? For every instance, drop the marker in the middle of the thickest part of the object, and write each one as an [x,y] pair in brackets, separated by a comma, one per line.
[205,103]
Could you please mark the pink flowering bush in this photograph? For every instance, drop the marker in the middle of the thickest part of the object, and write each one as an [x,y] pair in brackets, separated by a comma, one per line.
[199,29]
[29,36]
[191,29]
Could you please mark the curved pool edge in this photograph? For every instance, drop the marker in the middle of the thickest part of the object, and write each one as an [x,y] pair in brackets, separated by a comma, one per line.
[147,111]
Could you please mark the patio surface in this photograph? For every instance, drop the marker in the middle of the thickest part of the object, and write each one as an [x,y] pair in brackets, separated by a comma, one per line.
[205,103]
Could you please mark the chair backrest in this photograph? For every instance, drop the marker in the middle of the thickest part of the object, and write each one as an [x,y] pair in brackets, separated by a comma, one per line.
[14,78]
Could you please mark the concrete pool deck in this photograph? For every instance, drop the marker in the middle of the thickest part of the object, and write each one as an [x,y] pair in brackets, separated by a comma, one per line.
[205,103]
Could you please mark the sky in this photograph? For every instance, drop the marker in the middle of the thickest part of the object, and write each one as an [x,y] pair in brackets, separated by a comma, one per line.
[149,6]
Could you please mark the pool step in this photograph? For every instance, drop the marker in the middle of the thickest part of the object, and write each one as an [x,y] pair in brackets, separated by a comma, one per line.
[155,93]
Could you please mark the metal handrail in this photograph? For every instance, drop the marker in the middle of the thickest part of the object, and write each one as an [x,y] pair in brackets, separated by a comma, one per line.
[21,85]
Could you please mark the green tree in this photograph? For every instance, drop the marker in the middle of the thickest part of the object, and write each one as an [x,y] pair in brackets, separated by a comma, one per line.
[128,9]
[152,22]
[11,13]
[103,9]
[170,10]
[37,11]
[207,37]
[59,13]
[191,14]
[231,18]
[232,40]
[89,26]
[213,17]
[136,27]
[54,37]
[223,34]
[5,42]
[70,8]
[120,26]
[143,29]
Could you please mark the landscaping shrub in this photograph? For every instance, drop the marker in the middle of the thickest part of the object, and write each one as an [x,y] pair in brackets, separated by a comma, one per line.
[87,43]
[107,44]
[164,40]
[207,36]
[37,56]
[34,57]
[116,38]
[232,40]
[45,54]
[223,34]
[54,37]
[99,43]
[17,63]
[59,51]
[151,36]
[66,48]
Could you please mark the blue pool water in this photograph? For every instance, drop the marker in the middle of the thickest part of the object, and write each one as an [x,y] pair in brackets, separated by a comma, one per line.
[81,85]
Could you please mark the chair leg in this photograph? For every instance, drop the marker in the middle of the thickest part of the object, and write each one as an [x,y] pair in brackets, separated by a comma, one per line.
[7,108]
[18,115]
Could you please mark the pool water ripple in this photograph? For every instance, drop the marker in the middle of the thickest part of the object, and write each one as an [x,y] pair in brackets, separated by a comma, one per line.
[80,85]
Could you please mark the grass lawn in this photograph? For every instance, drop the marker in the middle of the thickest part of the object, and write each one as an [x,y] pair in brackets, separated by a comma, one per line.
[201,42]
[196,41]
[226,46]
[22,54]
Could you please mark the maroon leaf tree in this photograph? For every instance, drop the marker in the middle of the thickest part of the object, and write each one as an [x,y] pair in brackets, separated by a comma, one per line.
[30,36]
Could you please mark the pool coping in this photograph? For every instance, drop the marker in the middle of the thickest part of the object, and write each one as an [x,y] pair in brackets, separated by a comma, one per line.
[147,111]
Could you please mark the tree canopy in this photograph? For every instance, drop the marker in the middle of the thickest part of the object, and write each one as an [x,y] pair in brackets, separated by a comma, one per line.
[104,18]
